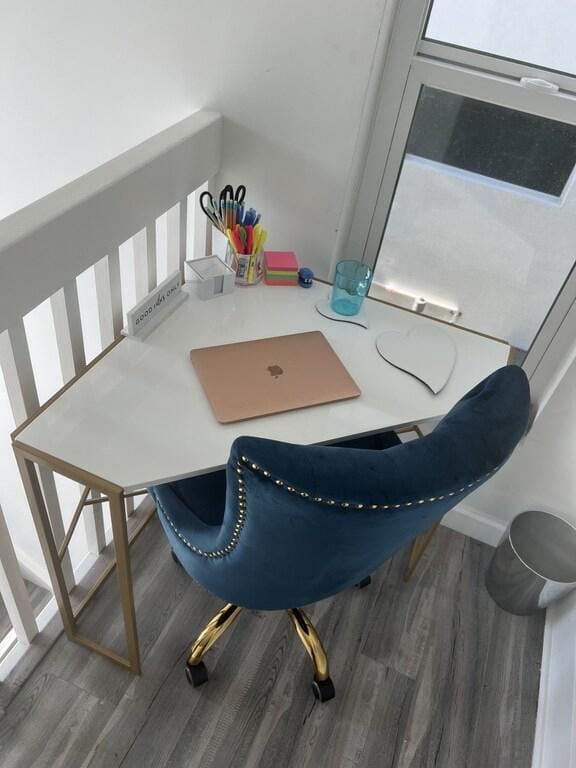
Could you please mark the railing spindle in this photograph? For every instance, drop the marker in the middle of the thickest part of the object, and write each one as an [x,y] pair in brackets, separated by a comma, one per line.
[94,525]
[144,244]
[183,234]
[68,327]
[115,291]
[140,264]
[173,239]
[13,589]
[151,255]
[130,506]
[202,234]
[23,397]
[18,373]
[104,302]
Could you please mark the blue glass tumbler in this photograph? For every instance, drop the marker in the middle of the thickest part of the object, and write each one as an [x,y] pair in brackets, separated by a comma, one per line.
[351,284]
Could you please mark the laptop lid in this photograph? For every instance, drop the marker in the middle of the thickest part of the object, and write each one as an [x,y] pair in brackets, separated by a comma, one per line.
[266,376]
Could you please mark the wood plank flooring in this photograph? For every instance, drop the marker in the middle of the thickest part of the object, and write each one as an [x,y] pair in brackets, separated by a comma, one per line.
[427,674]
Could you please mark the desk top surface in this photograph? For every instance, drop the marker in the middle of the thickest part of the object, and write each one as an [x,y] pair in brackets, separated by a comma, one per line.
[140,417]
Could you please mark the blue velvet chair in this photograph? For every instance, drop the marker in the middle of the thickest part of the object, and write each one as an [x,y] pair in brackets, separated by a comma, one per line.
[286,525]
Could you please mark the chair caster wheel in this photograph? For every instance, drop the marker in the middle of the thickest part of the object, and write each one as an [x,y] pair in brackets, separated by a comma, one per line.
[175,558]
[323,689]
[364,582]
[196,674]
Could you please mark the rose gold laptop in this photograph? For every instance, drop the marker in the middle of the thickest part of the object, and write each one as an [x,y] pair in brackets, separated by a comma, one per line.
[258,378]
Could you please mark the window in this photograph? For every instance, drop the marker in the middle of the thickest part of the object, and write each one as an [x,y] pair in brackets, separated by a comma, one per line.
[493,141]
[467,207]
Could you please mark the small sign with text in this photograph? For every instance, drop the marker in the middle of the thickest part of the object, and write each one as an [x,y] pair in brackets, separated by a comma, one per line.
[148,312]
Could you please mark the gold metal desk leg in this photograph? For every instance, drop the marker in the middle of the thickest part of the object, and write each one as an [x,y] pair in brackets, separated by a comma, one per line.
[29,474]
[418,548]
[120,533]
[49,549]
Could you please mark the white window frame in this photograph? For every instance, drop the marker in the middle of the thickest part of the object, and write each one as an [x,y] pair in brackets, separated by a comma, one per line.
[492,63]
[412,62]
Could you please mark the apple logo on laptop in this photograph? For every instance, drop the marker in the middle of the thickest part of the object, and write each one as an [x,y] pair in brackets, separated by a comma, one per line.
[275,371]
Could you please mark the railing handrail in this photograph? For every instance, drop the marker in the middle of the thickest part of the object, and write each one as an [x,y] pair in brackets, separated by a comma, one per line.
[70,229]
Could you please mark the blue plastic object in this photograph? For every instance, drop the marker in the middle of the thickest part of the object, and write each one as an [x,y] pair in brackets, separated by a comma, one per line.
[305,277]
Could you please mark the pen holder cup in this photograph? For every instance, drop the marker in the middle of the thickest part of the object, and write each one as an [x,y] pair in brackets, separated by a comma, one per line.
[248,267]
[351,284]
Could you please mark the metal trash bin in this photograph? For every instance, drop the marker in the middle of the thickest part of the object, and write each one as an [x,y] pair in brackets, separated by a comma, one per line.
[534,564]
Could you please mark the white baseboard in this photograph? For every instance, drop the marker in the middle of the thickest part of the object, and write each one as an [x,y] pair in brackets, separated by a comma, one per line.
[474,523]
[555,740]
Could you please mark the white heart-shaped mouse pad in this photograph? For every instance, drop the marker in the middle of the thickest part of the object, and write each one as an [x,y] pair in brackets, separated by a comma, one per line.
[425,352]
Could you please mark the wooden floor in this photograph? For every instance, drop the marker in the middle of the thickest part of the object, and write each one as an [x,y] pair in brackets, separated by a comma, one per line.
[428,673]
[39,598]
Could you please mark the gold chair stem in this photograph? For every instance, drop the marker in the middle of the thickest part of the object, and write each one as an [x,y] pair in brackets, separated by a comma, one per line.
[309,637]
[213,630]
[418,548]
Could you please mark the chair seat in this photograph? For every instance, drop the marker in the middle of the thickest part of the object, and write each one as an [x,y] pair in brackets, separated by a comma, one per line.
[377,442]
[206,494]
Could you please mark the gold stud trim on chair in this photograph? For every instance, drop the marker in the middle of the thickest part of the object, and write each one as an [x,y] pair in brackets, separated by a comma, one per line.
[236,531]
[347,504]
[246,463]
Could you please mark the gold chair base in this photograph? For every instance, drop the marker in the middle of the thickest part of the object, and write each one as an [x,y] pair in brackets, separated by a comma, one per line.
[311,641]
[210,634]
[196,671]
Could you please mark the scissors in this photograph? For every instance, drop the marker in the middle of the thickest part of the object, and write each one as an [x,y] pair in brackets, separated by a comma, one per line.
[211,208]
[228,194]
[231,204]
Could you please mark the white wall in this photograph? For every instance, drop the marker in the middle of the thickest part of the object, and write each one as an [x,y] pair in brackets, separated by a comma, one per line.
[498,252]
[541,473]
[80,83]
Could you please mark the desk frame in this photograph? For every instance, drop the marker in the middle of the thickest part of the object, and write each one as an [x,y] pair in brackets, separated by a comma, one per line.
[28,458]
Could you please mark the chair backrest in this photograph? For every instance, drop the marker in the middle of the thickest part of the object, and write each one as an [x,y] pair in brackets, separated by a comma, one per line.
[309,521]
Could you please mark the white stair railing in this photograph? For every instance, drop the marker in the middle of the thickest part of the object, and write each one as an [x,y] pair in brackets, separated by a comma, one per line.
[43,249]
[13,589]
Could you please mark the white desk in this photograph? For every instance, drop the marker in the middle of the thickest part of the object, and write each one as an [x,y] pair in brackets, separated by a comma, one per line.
[147,417]
[139,416]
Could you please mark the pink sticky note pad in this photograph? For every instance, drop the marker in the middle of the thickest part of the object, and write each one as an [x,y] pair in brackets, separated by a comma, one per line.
[280,260]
